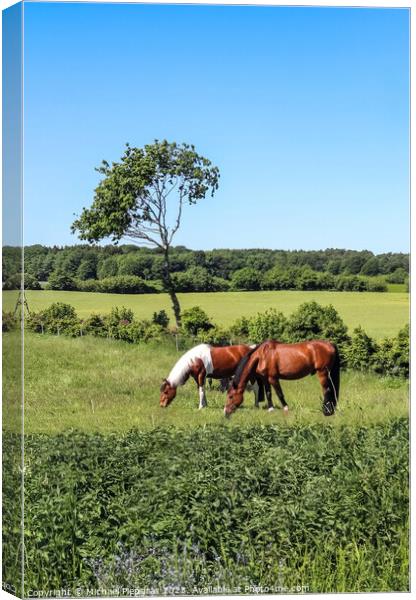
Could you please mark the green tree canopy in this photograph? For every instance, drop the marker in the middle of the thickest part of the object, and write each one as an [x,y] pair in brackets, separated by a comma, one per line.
[142,198]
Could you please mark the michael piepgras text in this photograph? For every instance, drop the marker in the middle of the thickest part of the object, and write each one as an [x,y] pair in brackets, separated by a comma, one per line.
[90,592]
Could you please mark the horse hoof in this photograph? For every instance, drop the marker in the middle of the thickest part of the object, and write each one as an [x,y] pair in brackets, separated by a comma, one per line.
[271,409]
[286,409]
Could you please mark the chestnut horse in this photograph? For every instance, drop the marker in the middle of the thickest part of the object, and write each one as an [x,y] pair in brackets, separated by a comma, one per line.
[273,360]
[205,361]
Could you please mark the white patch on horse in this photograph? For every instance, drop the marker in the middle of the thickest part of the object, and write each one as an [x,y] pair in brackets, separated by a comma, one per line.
[181,369]
[202,398]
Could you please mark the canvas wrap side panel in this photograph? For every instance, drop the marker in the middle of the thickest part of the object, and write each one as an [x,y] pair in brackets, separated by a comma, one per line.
[13,522]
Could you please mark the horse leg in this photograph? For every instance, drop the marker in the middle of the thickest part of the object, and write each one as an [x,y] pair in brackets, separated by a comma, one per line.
[328,405]
[258,389]
[268,391]
[201,388]
[279,392]
[224,384]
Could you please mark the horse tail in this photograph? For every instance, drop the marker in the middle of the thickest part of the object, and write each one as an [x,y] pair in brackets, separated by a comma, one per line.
[334,376]
[241,365]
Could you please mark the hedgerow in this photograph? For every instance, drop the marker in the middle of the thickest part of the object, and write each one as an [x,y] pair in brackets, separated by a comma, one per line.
[310,321]
[119,284]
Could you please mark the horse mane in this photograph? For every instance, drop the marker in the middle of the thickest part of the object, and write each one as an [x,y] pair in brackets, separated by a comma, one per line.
[182,368]
[240,367]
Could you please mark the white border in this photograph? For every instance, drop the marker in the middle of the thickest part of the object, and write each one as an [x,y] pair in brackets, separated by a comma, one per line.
[411,4]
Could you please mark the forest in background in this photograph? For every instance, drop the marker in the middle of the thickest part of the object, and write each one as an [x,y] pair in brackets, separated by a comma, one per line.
[129,269]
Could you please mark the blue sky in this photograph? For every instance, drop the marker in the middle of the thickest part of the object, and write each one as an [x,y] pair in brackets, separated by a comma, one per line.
[304,111]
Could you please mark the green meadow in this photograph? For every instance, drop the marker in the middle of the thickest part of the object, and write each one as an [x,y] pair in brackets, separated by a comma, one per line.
[180,500]
[380,314]
[102,385]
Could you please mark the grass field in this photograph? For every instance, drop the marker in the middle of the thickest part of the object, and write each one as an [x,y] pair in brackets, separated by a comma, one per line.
[93,384]
[381,314]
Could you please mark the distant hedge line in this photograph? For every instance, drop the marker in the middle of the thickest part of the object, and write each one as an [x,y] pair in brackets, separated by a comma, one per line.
[198,279]
[82,262]
[359,351]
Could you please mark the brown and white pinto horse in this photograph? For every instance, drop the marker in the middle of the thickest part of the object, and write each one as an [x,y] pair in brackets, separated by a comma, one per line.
[204,360]
[273,360]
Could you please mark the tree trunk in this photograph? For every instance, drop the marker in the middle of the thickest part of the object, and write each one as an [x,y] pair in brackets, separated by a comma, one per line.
[176,306]
[170,288]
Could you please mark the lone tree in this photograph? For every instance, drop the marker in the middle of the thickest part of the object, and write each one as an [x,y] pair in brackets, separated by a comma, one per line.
[141,198]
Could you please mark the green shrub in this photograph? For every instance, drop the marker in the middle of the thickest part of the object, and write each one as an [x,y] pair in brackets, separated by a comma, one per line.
[360,351]
[269,325]
[350,283]
[60,280]
[31,283]
[194,320]
[35,322]
[313,321]
[95,325]
[398,276]
[308,280]
[216,335]
[118,316]
[132,332]
[59,318]
[246,279]
[119,284]
[198,279]
[240,327]
[139,331]
[9,321]
[152,332]
[393,355]
[279,279]
[126,284]
[161,318]
[87,285]
[376,286]
[14,282]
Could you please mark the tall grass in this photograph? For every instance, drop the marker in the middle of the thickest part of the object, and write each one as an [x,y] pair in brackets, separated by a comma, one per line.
[170,510]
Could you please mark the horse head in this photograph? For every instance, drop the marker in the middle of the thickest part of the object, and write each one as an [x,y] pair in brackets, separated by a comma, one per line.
[244,371]
[234,399]
[167,393]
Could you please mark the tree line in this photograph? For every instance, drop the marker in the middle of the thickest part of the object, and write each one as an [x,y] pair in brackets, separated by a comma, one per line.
[126,268]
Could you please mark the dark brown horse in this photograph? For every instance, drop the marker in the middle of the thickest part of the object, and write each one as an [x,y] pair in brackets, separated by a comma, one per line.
[273,360]
[205,361]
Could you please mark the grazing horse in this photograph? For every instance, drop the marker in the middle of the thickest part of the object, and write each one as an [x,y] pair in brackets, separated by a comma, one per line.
[273,360]
[204,361]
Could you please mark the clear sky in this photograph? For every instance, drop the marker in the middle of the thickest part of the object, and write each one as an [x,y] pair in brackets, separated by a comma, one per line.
[304,110]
